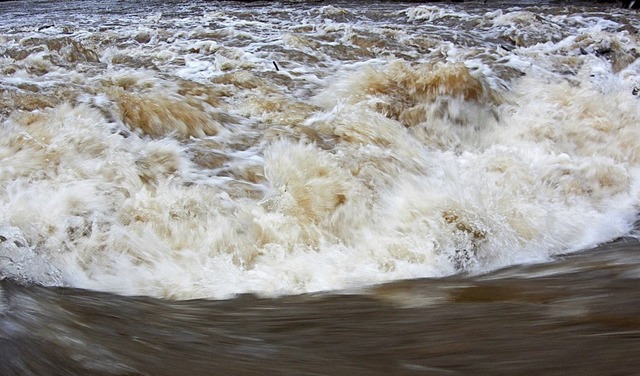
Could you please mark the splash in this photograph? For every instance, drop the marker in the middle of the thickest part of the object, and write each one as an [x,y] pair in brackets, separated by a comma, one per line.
[169,157]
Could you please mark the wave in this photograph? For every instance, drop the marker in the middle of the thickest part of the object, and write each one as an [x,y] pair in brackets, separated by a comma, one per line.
[157,160]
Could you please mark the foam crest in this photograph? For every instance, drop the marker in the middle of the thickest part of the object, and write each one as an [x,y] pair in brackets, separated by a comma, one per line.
[311,185]
[443,104]
[409,85]
[432,13]
[581,120]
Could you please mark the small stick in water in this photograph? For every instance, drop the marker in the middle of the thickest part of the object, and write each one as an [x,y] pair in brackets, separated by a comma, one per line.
[276,65]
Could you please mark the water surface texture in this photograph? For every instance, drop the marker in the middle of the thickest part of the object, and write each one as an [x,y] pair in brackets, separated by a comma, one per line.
[404,180]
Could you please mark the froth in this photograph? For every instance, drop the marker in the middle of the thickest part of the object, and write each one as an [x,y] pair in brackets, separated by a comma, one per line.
[249,155]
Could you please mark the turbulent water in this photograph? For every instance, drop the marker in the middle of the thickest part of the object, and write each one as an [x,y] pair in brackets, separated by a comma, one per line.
[183,150]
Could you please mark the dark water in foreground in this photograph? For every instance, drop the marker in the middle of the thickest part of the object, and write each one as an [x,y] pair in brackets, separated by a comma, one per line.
[579,315]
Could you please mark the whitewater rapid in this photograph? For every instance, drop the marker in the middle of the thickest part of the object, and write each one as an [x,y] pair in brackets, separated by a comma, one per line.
[205,150]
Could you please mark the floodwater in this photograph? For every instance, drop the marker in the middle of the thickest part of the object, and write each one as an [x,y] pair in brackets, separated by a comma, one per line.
[304,188]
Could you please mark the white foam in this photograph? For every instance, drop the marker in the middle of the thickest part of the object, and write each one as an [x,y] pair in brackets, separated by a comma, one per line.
[331,173]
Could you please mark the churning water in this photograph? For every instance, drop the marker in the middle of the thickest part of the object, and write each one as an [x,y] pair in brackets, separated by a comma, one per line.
[195,149]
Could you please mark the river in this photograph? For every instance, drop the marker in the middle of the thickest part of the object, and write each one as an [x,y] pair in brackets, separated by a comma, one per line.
[319,188]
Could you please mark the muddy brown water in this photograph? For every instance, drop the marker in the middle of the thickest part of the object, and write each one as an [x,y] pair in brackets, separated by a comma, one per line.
[579,315]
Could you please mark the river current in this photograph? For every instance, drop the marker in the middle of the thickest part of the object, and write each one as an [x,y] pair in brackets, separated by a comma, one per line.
[319,188]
